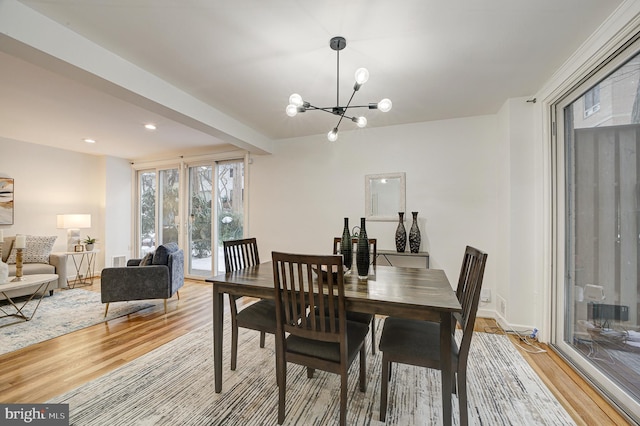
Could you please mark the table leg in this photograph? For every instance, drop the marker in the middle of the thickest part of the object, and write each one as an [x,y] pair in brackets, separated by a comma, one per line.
[42,287]
[446,367]
[217,337]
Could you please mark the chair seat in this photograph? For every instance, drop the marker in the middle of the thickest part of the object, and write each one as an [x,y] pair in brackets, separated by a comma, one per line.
[414,339]
[327,350]
[359,317]
[260,315]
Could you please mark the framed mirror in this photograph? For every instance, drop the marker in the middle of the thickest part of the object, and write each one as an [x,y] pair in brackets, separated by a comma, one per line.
[384,196]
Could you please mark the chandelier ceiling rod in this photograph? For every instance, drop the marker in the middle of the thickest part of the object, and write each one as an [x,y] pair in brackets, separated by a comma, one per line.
[297,104]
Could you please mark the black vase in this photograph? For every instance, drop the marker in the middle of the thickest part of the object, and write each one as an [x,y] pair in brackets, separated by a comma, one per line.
[401,234]
[346,248]
[414,234]
[362,255]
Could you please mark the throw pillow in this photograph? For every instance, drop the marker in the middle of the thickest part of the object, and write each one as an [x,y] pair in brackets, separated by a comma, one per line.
[37,250]
[147,259]
[161,257]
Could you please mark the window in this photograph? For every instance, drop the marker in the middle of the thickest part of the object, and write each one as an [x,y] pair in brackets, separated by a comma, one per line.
[592,101]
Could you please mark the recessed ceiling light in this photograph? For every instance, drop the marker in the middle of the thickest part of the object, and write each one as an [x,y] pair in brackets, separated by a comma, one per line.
[87,140]
[150,126]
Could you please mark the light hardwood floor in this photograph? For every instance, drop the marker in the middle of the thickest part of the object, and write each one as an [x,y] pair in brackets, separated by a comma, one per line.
[39,372]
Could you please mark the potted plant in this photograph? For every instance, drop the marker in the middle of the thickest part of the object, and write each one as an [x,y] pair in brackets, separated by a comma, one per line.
[89,242]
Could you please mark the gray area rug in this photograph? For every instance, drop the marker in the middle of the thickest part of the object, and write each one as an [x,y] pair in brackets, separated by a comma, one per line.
[173,385]
[62,313]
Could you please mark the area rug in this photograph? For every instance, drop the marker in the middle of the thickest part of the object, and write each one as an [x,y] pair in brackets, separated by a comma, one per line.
[62,313]
[173,385]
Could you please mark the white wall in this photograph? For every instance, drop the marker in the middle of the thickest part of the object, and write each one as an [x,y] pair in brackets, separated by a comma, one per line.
[118,209]
[517,284]
[300,194]
[49,182]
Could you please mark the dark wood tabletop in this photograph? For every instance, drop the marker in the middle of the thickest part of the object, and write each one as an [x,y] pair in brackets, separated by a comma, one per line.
[403,292]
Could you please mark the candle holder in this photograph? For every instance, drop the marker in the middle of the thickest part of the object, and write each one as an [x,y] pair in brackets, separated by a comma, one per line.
[19,276]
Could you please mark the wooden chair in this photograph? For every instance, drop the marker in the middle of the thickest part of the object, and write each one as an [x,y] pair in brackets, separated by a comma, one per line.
[319,336]
[400,337]
[361,316]
[261,315]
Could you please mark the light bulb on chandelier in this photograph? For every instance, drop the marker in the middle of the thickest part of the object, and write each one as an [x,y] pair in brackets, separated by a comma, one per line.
[297,104]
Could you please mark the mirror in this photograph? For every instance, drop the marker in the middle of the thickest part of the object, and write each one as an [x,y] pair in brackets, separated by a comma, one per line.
[384,196]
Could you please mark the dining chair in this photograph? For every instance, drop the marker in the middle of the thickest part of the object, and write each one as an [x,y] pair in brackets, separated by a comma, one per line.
[261,315]
[318,336]
[361,316]
[400,337]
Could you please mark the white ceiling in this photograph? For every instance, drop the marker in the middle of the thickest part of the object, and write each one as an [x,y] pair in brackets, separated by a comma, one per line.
[434,59]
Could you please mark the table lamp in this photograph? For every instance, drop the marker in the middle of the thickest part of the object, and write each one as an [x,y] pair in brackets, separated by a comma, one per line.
[73,223]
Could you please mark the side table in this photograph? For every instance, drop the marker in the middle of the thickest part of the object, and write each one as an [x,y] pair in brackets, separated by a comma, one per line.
[84,263]
[387,254]
[40,283]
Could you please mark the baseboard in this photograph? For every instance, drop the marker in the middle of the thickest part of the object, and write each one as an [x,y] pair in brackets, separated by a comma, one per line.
[502,322]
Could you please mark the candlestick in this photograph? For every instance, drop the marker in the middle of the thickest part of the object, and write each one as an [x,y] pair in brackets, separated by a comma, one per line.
[19,276]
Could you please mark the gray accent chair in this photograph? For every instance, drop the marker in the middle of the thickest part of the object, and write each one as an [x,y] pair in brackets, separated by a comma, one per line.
[159,275]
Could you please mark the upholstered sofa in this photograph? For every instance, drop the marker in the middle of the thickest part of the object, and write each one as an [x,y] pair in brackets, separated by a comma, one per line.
[38,259]
[159,275]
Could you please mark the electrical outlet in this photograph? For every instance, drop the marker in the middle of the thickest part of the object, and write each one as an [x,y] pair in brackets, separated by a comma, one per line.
[502,306]
[485,295]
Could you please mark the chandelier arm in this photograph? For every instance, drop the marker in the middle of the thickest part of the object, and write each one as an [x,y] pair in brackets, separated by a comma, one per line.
[345,109]
[325,109]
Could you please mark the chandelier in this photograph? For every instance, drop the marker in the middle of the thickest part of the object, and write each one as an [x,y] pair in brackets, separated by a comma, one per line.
[297,104]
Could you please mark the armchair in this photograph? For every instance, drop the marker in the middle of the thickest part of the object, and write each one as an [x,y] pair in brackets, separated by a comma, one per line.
[159,275]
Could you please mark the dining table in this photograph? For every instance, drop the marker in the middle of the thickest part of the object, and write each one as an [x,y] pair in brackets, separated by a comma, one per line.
[414,293]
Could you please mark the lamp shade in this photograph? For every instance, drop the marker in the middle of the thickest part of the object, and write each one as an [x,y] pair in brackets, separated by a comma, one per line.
[73,221]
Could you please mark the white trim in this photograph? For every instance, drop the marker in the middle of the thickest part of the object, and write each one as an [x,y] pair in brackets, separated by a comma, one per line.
[191,159]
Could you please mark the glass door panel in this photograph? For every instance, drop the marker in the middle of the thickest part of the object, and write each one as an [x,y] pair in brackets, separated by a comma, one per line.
[229,205]
[200,220]
[147,212]
[169,204]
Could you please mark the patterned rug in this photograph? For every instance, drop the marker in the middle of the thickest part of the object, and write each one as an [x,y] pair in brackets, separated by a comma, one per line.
[62,313]
[173,385]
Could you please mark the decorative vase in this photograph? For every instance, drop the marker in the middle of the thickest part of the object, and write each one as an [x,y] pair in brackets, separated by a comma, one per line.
[401,234]
[346,248]
[414,234]
[362,255]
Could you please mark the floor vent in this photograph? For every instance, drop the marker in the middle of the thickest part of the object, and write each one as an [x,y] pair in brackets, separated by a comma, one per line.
[119,261]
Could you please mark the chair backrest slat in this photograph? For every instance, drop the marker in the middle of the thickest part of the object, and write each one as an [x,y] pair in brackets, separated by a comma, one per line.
[468,293]
[240,254]
[310,302]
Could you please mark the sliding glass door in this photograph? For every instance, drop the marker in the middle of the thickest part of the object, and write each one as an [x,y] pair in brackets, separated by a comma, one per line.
[199,215]
[597,321]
